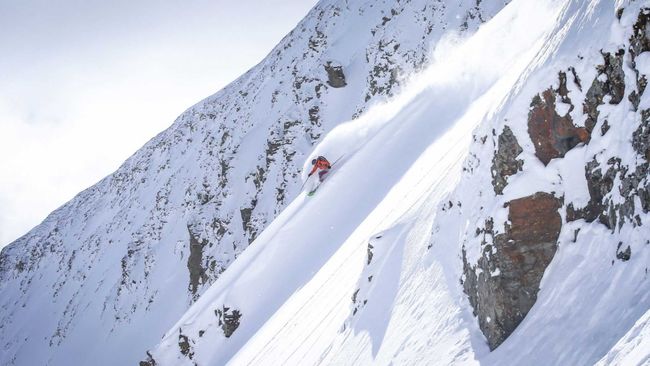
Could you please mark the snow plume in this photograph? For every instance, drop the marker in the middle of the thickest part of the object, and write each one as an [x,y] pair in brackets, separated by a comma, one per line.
[462,68]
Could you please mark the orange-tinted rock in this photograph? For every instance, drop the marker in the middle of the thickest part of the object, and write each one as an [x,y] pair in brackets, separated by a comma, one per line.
[553,135]
[534,219]
[503,285]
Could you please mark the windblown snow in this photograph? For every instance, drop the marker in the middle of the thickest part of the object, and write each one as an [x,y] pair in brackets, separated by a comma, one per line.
[489,204]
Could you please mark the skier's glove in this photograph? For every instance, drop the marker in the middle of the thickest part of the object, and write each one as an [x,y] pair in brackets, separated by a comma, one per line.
[309,175]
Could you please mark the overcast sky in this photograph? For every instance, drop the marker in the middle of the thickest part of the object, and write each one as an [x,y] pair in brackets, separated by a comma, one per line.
[85,83]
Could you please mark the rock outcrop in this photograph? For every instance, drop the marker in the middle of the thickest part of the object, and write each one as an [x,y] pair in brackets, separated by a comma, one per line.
[195,263]
[553,135]
[335,75]
[502,287]
[634,185]
[609,82]
[639,42]
[505,162]
[228,320]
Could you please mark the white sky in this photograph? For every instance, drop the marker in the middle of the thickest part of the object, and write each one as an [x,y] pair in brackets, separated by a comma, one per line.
[85,83]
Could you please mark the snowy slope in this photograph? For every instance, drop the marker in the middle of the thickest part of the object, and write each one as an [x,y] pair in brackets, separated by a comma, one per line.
[633,348]
[390,261]
[106,274]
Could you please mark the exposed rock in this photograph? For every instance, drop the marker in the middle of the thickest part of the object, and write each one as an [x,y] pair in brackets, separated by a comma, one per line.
[639,41]
[609,81]
[248,222]
[502,287]
[604,128]
[228,320]
[619,13]
[185,346]
[384,76]
[245,214]
[313,115]
[625,254]
[632,184]
[505,162]
[576,78]
[370,254]
[335,76]
[195,262]
[641,137]
[563,91]
[149,361]
[613,68]
[553,135]
[635,99]
[473,14]
[641,83]
[641,144]
[599,185]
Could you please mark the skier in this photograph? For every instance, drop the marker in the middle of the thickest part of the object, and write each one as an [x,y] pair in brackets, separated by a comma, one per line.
[322,165]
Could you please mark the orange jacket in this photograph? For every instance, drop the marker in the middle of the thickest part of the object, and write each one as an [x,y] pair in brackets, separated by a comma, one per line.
[321,163]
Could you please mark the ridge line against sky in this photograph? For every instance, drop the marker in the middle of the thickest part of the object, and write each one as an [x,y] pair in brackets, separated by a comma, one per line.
[83,85]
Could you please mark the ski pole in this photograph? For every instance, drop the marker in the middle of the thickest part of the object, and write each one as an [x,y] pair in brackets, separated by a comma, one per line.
[335,161]
[303,184]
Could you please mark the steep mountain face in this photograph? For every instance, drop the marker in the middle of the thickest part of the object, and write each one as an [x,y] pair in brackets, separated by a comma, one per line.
[589,130]
[106,274]
[494,212]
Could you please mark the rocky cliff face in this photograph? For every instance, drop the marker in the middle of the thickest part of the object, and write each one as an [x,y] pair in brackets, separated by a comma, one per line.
[135,250]
[503,281]
[502,287]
